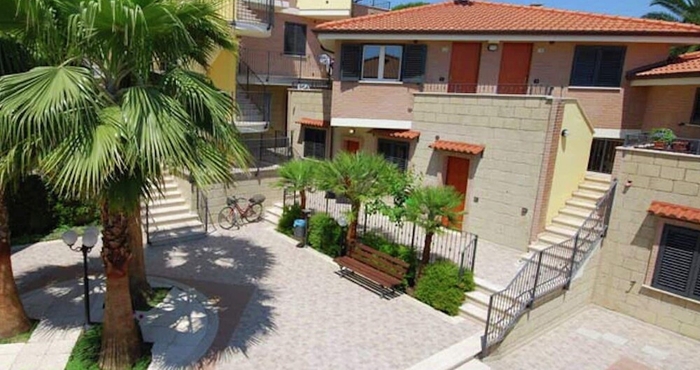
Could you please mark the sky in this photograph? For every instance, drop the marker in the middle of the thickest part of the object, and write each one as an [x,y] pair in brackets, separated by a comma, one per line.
[632,8]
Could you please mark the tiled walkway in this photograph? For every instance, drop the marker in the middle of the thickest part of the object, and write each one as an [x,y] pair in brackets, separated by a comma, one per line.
[598,339]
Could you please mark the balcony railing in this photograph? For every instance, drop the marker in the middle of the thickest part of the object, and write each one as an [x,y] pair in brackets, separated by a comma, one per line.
[509,89]
[272,66]
[255,12]
[380,4]
[269,151]
[645,140]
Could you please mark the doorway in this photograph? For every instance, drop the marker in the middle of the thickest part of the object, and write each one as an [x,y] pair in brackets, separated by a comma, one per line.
[464,67]
[602,156]
[457,176]
[515,68]
[351,146]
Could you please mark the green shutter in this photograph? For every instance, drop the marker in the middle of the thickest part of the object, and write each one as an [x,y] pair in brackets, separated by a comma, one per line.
[414,58]
[350,62]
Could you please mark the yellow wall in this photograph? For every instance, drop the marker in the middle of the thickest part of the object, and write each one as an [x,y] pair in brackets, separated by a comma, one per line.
[226,9]
[572,158]
[223,71]
[324,5]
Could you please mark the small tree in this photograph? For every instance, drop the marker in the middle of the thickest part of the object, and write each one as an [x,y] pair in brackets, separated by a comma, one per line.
[298,175]
[432,207]
[360,178]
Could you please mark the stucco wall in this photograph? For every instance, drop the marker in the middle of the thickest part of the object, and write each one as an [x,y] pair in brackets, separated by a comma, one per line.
[627,250]
[572,158]
[667,106]
[506,178]
[324,5]
[315,104]
[222,71]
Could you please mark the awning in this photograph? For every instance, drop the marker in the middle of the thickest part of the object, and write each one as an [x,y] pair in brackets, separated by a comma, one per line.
[675,211]
[457,147]
[397,134]
[313,122]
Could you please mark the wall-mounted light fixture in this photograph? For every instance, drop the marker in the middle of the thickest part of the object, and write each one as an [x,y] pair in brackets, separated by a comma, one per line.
[565,132]
[351,131]
[492,46]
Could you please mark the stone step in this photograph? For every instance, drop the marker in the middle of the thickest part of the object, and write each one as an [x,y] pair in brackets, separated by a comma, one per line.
[474,364]
[486,286]
[478,298]
[272,218]
[575,212]
[164,202]
[180,234]
[560,229]
[573,222]
[587,195]
[598,177]
[474,311]
[548,237]
[170,221]
[581,203]
[594,186]
[154,212]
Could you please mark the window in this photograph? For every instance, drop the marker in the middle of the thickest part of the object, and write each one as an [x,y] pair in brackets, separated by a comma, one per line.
[381,62]
[394,151]
[599,66]
[294,38]
[314,143]
[678,262]
[695,118]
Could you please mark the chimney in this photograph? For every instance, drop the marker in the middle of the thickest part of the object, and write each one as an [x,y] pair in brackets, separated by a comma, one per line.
[462,2]
[537,5]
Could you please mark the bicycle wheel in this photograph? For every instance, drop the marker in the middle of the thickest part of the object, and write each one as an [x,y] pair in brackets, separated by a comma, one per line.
[228,218]
[254,213]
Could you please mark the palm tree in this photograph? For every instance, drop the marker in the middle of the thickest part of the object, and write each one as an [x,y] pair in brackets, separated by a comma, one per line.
[114,106]
[298,175]
[685,11]
[431,208]
[359,177]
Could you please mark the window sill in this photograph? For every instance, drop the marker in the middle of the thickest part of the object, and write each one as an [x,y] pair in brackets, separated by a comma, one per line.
[649,290]
[381,82]
[294,56]
[594,88]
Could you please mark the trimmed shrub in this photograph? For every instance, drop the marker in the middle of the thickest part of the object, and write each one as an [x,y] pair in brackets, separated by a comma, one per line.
[403,252]
[30,208]
[286,222]
[441,287]
[76,213]
[325,235]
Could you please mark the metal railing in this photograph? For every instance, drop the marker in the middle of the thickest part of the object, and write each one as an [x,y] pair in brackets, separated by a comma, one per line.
[511,89]
[202,205]
[645,140]
[545,272]
[381,4]
[270,64]
[456,246]
[255,11]
[268,151]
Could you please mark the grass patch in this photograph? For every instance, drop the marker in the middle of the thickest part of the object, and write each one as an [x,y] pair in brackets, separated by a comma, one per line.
[22,337]
[86,352]
[57,233]
[157,298]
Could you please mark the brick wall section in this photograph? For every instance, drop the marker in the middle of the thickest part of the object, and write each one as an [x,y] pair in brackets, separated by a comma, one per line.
[667,106]
[506,177]
[314,104]
[626,258]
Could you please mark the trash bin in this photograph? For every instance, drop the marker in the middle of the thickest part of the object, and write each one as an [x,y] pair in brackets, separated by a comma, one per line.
[299,229]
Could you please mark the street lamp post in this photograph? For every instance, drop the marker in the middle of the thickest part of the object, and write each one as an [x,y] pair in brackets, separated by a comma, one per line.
[90,237]
[343,223]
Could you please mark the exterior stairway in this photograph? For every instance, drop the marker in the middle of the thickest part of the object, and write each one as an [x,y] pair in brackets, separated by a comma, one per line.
[476,304]
[250,119]
[244,13]
[274,213]
[169,216]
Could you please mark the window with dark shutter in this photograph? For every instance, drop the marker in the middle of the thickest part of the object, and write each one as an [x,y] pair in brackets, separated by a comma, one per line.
[394,151]
[678,262]
[350,62]
[314,143]
[695,118]
[414,63]
[294,38]
[599,66]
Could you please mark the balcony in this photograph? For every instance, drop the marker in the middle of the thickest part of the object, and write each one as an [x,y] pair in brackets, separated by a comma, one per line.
[502,89]
[277,68]
[378,4]
[254,18]
[646,140]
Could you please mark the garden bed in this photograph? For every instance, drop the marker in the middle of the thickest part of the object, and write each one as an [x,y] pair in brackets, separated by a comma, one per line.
[86,353]
[22,337]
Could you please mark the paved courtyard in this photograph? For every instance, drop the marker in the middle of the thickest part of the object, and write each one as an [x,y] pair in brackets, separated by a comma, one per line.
[279,306]
[599,339]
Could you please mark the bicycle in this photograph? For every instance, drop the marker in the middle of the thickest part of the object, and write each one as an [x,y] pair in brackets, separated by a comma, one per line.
[232,214]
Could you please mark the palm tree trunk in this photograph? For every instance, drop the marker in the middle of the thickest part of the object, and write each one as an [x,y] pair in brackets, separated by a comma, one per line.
[425,259]
[120,338]
[351,237]
[138,283]
[13,319]
[302,196]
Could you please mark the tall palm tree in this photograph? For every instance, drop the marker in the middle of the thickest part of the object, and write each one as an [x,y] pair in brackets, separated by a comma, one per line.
[431,208]
[685,11]
[114,106]
[360,178]
[298,175]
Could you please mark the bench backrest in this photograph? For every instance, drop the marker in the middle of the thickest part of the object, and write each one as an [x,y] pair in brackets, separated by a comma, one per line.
[380,261]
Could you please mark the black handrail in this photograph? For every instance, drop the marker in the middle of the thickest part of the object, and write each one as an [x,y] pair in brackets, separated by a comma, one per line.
[255,11]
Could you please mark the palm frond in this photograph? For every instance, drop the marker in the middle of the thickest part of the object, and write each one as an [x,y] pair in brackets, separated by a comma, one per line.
[662,16]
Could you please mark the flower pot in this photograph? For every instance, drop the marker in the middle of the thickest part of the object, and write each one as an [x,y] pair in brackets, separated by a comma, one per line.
[680,146]
[660,145]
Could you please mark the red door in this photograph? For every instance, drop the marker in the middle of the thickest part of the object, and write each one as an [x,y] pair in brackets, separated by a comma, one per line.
[464,67]
[457,175]
[352,146]
[515,68]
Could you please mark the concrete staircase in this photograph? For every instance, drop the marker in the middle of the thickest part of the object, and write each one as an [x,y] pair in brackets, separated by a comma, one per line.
[169,216]
[274,213]
[250,119]
[245,14]
[476,304]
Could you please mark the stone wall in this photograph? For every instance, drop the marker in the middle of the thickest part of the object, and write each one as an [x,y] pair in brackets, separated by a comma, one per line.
[503,183]
[624,281]
[315,104]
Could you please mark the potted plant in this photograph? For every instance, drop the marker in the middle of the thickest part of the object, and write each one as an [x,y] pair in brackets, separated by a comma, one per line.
[662,137]
[680,146]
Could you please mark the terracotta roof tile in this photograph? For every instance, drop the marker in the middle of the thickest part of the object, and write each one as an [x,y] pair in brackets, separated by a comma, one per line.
[397,134]
[313,122]
[675,211]
[457,146]
[683,64]
[499,18]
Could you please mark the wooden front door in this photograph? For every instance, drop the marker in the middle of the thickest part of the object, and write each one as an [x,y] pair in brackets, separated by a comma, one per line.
[352,146]
[457,175]
[464,67]
[515,68]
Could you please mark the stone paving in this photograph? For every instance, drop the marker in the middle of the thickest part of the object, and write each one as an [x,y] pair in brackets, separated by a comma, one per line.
[599,339]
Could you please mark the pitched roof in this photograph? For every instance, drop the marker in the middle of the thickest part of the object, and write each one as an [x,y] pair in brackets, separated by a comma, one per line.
[681,65]
[481,17]
[313,122]
[675,211]
[397,134]
[457,147]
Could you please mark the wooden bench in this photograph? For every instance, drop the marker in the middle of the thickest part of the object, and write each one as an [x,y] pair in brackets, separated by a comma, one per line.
[374,265]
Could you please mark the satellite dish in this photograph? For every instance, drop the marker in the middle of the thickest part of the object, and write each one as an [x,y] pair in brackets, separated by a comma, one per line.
[324,59]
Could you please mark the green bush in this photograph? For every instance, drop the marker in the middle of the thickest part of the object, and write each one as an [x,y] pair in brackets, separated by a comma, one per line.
[76,213]
[441,287]
[286,222]
[403,252]
[325,235]
[30,208]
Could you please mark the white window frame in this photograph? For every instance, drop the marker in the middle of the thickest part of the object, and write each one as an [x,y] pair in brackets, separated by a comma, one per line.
[380,64]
